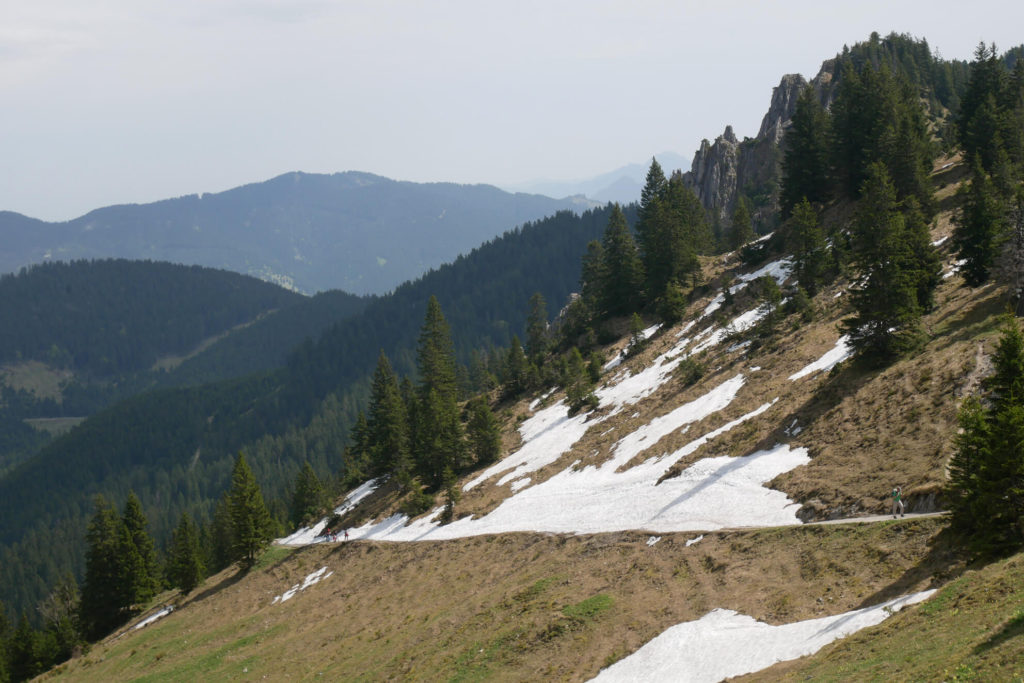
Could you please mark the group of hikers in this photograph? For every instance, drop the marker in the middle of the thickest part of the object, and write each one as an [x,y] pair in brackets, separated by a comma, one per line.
[332,536]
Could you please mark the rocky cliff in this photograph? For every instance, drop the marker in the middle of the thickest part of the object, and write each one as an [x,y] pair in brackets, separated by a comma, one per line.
[724,170]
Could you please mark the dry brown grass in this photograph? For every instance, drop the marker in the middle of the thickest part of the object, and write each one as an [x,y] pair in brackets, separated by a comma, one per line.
[511,607]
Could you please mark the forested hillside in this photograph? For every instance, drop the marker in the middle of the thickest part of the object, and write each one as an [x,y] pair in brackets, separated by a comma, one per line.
[87,333]
[174,448]
[357,232]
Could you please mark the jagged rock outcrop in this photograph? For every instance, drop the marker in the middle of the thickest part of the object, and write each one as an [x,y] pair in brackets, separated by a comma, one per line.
[723,170]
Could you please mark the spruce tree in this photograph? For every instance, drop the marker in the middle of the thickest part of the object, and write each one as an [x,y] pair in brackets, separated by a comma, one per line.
[986,472]
[357,460]
[436,354]
[650,198]
[251,525]
[103,605]
[979,227]
[517,370]
[145,576]
[483,432]
[308,497]
[185,567]
[388,426]
[805,164]
[438,442]
[885,299]
[806,241]
[621,271]
[579,391]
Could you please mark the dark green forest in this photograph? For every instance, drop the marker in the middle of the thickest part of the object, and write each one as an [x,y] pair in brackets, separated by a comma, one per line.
[175,447]
[110,324]
[113,317]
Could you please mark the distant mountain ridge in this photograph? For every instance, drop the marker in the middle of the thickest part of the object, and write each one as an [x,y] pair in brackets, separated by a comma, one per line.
[621,185]
[354,231]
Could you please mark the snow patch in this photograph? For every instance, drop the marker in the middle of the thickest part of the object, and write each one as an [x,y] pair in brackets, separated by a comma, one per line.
[836,355]
[310,580]
[693,541]
[653,539]
[724,643]
[150,619]
[308,535]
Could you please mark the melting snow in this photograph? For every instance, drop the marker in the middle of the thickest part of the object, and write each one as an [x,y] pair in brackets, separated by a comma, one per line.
[840,352]
[310,580]
[695,540]
[724,643]
[653,539]
[150,619]
[955,268]
[310,534]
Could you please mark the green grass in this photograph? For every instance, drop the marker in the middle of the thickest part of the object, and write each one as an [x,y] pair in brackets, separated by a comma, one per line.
[972,629]
[272,555]
[586,610]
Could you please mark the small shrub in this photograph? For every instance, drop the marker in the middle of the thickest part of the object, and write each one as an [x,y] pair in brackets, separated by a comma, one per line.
[689,371]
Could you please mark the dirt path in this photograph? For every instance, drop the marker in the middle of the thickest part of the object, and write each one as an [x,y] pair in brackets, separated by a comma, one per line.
[879,518]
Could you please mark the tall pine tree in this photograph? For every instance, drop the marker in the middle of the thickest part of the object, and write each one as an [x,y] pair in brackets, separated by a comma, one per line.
[438,443]
[185,567]
[805,164]
[140,550]
[986,472]
[251,525]
[889,273]
[621,271]
[103,606]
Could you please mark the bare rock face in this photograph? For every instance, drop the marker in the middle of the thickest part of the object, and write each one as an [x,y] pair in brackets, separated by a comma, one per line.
[784,97]
[714,173]
[724,169]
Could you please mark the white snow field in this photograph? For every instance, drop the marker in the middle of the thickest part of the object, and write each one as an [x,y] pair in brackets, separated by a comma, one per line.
[724,643]
[833,357]
[710,494]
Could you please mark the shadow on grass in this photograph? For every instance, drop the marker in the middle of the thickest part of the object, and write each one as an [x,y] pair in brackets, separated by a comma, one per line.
[226,582]
[945,560]
[1013,628]
[239,573]
[844,381]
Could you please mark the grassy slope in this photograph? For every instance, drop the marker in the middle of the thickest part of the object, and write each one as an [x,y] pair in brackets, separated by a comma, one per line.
[527,606]
[517,606]
[973,629]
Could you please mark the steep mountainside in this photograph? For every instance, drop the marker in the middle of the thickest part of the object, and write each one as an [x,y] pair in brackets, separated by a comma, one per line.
[352,231]
[672,500]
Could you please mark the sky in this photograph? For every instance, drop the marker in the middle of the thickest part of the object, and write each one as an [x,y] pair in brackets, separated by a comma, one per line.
[131,101]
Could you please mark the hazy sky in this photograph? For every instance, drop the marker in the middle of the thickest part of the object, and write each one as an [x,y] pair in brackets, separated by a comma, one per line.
[118,101]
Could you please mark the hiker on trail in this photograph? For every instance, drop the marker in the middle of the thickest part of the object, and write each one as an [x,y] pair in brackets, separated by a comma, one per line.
[346,534]
[897,501]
